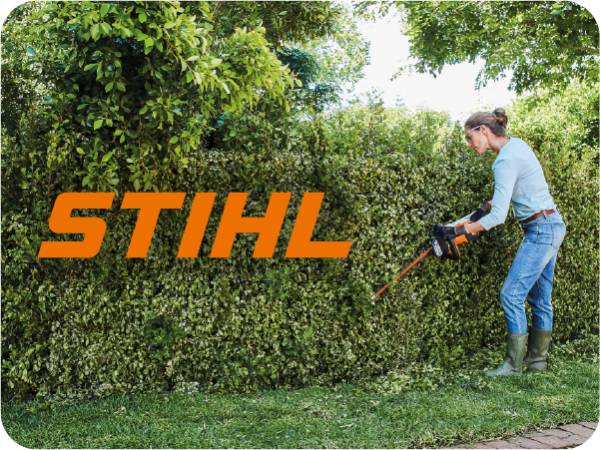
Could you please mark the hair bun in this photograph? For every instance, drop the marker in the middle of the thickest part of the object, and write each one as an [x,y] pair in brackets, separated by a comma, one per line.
[500,116]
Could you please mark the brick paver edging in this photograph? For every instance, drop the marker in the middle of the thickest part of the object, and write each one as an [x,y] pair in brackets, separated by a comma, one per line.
[562,437]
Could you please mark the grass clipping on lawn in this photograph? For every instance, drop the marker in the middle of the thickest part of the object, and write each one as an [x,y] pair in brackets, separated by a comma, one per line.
[467,370]
[422,406]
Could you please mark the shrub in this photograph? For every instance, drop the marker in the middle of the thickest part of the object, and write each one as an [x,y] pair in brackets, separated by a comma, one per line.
[110,324]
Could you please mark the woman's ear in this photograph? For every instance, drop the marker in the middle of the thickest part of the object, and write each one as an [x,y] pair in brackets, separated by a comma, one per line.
[484,131]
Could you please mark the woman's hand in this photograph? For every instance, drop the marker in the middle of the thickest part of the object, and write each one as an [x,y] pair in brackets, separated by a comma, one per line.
[473,227]
[449,232]
[454,232]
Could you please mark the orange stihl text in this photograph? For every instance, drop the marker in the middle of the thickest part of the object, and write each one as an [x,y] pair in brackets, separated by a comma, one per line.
[232,223]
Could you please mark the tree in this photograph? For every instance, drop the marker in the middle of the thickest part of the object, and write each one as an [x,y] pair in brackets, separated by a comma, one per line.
[321,45]
[134,84]
[546,44]
[142,84]
[342,56]
[563,123]
[20,85]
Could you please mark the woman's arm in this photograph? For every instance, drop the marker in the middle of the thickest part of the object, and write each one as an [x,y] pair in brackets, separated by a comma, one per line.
[505,177]
[471,227]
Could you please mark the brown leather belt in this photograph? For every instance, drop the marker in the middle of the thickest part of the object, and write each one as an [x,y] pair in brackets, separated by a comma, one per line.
[540,214]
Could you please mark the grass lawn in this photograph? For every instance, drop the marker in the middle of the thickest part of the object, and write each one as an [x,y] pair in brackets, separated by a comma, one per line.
[344,416]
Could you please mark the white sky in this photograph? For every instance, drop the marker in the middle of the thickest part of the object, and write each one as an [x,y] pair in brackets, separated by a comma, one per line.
[453,90]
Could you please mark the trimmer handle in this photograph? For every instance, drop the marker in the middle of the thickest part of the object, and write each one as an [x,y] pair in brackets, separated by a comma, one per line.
[449,247]
[466,238]
[453,247]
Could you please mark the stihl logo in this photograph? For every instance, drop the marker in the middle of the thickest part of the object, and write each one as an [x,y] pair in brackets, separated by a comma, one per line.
[232,222]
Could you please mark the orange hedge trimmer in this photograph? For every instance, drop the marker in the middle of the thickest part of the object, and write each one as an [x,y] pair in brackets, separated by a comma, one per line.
[441,247]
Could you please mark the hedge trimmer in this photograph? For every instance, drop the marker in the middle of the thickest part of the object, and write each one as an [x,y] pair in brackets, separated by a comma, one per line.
[441,247]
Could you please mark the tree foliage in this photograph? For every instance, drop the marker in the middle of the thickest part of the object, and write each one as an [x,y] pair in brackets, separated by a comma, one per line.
[544,43]
[324,65]
[284,22]
[141,85]
[342,56]
[565,124]
[135,83]
[20,85]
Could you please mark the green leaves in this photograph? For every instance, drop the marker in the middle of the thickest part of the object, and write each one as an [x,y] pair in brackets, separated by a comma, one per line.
[380,168]
[106,29]
[521,37]
[95,30]
[383,205]
[125,32]
[139,97]
[149,42]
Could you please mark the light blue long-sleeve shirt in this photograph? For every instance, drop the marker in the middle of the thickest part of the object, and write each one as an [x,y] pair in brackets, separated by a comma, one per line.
[519,178]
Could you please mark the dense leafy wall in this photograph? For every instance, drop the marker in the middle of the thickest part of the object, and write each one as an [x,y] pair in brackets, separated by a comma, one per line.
[108,323]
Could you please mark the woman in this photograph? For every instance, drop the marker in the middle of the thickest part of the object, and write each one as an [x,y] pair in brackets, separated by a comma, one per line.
[518,179]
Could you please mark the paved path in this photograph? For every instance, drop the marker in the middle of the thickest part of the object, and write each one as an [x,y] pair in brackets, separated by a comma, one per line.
[565,436]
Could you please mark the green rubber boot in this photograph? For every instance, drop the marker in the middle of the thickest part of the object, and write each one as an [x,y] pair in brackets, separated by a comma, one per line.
[537,349]
[513,359]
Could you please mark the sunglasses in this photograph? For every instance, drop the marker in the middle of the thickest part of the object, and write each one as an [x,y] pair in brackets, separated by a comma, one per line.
[467,137]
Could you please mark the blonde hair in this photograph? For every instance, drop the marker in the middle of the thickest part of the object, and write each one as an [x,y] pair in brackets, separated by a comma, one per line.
[495,121]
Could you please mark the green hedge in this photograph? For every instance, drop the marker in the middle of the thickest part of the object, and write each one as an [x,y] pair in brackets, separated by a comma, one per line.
[108,324]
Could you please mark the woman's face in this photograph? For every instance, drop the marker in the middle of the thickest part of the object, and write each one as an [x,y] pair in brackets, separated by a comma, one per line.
[477,139]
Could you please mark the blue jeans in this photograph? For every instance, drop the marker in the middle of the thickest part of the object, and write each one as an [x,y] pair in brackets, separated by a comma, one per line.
[531,274]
